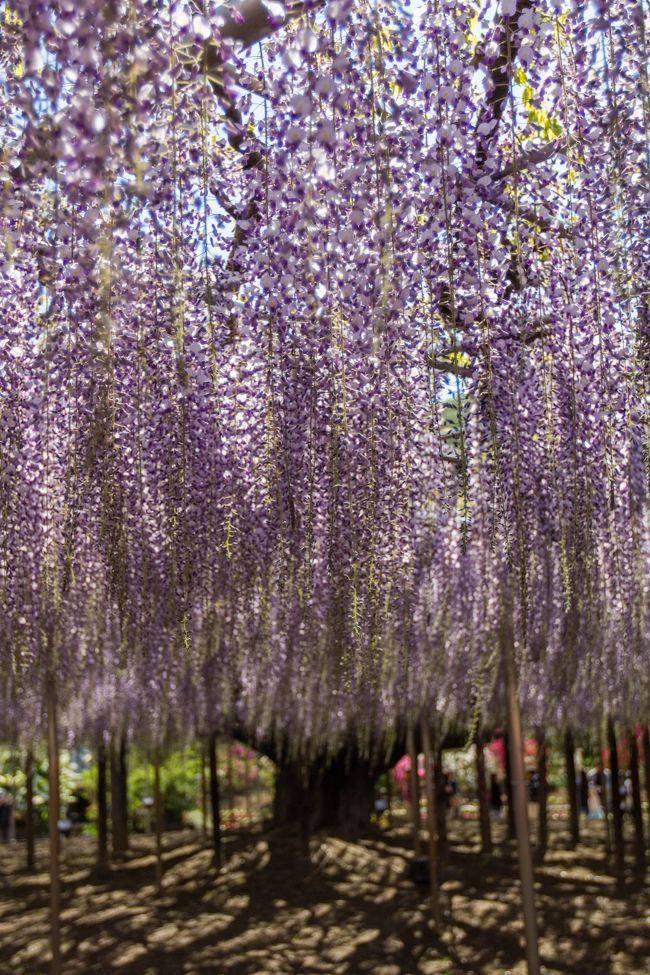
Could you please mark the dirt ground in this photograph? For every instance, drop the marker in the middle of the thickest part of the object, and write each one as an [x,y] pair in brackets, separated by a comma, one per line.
[348,909]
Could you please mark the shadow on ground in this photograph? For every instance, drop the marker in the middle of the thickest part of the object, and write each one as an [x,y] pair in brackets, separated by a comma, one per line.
[347,909]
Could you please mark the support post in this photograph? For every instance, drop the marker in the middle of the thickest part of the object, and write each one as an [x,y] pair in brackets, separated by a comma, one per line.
[214,798]
[481,785]
[306,781]
[231,783]
[415,790]
[637,812]
[520,801]
[204,795]
[247,787]
[102,807]
[542,830]
[512,832]
[29,809]
[389,797]
[158,818]
[124,787]
[441,804]
[603,792]
[432,822]
[646,763]
[54,815]
[617,814]
[119,810]
[572,787]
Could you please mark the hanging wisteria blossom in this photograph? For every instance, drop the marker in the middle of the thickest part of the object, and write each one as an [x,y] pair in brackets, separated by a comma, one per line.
[325,347]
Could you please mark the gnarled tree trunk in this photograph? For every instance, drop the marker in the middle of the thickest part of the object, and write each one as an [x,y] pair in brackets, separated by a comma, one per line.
[326,793]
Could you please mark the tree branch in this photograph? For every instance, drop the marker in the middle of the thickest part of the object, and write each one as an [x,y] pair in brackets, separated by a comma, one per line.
[499,73]
[250,21]
[529,159]
[441,365]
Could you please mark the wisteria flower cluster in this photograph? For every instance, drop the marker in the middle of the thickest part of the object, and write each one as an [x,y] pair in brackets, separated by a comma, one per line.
[325,353]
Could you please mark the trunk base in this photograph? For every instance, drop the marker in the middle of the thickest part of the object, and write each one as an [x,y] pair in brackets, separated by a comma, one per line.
[336,794]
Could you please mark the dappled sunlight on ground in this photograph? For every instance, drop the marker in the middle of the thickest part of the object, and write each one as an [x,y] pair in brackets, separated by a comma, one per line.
[348,909]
